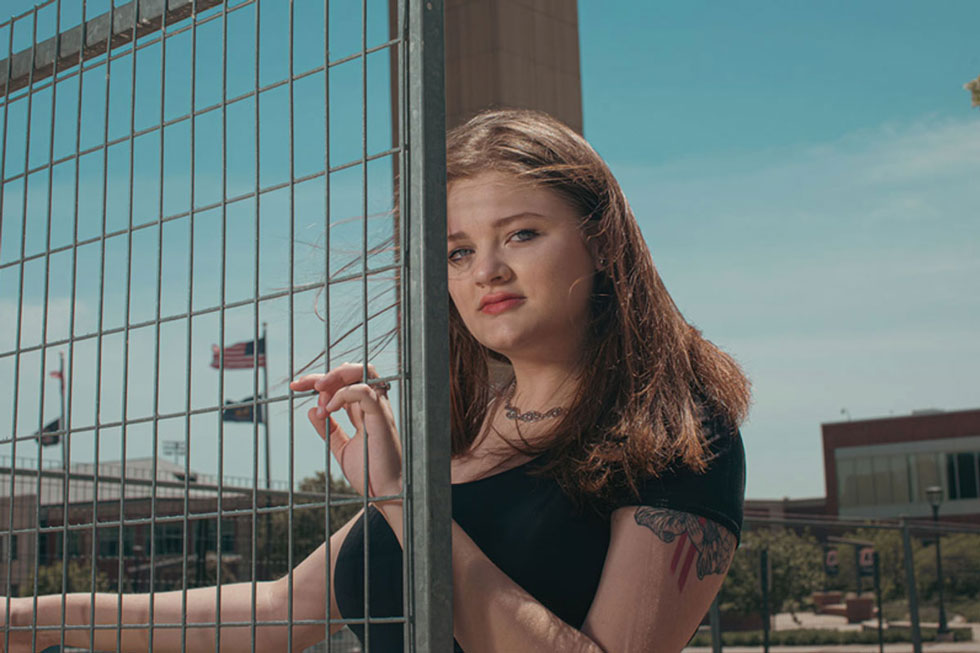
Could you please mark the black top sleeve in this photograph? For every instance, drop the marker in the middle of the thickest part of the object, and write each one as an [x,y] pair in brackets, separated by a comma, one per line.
[717,494]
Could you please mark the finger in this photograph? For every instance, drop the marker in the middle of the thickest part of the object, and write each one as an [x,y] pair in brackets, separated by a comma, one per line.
[342,375]
[338,441]
[304,382]
[361,393]
[319,423]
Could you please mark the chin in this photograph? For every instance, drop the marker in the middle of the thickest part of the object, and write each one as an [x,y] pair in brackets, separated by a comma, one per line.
[505,344]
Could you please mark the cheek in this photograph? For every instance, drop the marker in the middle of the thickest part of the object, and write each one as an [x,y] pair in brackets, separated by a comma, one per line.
[458,298]
[454,292]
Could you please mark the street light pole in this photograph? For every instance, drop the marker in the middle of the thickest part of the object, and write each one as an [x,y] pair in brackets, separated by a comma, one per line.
[935,495]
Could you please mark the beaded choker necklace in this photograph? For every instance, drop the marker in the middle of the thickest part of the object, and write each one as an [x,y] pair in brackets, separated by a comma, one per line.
[514,413]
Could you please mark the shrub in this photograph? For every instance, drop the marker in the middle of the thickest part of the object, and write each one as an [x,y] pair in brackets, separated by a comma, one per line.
[797,571]
[961,567]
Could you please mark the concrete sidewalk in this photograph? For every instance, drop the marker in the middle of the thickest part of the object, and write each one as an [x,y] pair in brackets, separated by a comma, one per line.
[927,647]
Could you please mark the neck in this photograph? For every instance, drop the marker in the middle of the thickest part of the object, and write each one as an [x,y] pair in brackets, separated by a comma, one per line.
[542,385]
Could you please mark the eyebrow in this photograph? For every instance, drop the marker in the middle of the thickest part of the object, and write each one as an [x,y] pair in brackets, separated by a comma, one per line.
[499,222]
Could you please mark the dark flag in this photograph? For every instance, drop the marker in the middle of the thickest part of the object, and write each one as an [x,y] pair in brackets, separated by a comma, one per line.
[240,356]
[241,411]
[45,435]
[831,563]
[866,561]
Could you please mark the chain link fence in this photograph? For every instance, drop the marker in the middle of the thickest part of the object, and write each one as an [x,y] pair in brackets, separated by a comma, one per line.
[199,200]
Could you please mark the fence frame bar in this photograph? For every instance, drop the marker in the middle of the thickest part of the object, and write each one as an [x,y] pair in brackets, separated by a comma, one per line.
[426,324]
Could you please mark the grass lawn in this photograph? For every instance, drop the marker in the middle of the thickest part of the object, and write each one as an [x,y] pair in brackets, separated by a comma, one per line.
[929,610]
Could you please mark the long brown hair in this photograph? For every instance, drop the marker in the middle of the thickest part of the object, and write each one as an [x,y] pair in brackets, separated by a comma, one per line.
[649,379]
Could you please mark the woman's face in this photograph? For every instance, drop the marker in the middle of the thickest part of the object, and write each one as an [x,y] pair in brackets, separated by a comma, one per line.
[520,274]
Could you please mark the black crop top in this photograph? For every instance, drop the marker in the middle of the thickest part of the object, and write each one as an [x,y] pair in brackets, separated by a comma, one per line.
[531,530]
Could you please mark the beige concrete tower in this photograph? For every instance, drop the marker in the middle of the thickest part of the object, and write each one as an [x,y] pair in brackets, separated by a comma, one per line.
[513,53]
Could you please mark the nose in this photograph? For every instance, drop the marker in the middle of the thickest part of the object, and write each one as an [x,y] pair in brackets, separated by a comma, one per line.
[491,269]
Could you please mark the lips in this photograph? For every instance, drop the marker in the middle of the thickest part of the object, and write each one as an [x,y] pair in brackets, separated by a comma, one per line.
[495,303]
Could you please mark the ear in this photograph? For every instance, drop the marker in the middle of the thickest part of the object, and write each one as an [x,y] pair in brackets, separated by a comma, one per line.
[598,260]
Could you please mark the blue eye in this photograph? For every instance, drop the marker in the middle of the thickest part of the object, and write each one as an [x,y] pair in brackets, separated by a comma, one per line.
[524,235]
[457,255]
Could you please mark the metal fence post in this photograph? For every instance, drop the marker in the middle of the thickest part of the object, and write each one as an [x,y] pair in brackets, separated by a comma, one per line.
[427,326]
[714,616]
[764,580]
[881,627]
[910,581]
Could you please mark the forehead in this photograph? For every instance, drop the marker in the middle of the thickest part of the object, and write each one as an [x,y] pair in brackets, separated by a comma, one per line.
[489,196]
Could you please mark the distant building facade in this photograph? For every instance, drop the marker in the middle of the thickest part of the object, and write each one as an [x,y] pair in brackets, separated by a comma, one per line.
[882,467]
[175,521]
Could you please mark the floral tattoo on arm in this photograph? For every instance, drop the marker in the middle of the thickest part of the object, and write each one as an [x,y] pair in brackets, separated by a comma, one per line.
[696,537]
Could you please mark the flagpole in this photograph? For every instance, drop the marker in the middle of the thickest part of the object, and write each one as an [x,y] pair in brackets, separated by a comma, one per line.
[265,420]
[61,422]
[265,408]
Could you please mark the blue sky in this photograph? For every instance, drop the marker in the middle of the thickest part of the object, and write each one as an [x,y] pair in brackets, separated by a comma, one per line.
[804,173]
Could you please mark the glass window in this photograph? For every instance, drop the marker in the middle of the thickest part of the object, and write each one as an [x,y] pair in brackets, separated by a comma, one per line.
[951,476]
[109,541]
[74,544]
[966,475]
[168,539]
[865,482]
[228,536]
[846,490]
[925,473]
[882,473]
[900,478]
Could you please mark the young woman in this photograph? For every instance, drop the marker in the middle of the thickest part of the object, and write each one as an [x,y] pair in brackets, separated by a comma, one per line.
[597,468]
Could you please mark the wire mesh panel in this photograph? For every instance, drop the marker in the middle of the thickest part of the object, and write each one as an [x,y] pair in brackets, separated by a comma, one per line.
[200,201]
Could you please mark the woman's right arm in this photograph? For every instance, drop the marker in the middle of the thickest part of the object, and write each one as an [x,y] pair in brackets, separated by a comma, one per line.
[271,604]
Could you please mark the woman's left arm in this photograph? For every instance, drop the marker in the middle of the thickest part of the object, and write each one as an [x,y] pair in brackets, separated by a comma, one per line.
[662,570]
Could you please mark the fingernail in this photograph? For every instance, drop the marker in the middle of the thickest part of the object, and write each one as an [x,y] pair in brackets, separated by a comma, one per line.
[320,412]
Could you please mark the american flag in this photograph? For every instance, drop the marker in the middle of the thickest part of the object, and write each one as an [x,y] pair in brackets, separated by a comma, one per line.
[239,356]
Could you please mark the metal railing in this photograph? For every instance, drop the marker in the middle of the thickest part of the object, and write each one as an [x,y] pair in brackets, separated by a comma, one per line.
[811,579]
[200,199]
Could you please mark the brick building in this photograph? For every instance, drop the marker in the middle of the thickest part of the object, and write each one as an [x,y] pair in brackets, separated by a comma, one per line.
[881,467]
[39,517]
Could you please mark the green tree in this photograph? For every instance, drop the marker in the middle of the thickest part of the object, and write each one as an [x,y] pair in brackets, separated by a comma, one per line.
[961,567]
[891,562]
[79,579]
[797,571]
[308,522]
